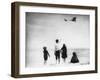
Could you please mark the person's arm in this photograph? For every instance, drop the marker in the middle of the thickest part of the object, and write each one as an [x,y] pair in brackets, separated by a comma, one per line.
[48,54]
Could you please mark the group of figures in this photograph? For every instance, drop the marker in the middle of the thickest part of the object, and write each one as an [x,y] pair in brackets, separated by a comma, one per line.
[59,52]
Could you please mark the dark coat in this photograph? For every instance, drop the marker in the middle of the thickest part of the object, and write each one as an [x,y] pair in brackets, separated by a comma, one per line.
[64,52]
[74,58]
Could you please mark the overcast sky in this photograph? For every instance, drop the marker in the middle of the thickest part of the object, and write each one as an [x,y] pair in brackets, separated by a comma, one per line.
[43,29]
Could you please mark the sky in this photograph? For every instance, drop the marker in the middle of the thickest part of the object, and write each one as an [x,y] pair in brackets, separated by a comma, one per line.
[42,29]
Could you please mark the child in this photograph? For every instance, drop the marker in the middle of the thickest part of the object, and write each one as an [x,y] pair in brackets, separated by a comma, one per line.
[74,58]
[46,54]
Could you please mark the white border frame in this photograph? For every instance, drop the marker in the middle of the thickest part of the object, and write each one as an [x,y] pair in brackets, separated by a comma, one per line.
[22,25]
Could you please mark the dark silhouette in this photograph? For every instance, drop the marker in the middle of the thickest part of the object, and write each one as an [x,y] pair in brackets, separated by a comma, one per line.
[46,54]
[74,58]
[57,51]
[64,52]
[74,19]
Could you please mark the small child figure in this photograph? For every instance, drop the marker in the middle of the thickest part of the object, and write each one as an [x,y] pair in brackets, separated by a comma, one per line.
[46,54]
[74,58]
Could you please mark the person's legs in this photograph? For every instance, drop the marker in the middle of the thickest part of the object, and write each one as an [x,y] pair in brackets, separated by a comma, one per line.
[58,56]
[45,58]
[58,59]
[64,60]
[44,61]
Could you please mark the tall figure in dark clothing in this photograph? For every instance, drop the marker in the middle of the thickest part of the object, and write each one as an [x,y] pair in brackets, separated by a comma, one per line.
[46,54]
[64,52]
[74,58]
[57,51]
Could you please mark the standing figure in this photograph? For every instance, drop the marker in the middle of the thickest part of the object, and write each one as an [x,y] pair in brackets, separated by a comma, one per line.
[46,54]
[64,52]
[74,58]
[57,51]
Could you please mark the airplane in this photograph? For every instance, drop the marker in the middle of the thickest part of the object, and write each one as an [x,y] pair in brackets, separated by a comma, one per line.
[73,19]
